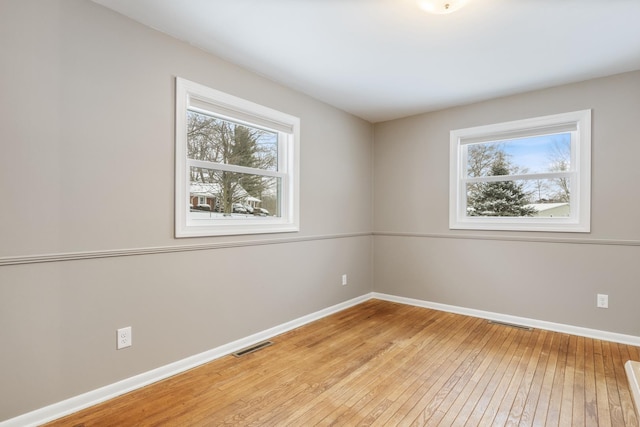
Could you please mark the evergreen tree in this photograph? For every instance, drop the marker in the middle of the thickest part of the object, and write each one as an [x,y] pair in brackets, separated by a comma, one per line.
[245,152]
[480,159]
[500,198]
[240,149]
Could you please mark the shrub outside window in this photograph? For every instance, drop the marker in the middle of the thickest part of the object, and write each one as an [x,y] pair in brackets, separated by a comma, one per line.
[236,165]
[530,175]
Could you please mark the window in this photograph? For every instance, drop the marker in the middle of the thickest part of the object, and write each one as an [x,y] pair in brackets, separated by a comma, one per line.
[532,175]
[236,165]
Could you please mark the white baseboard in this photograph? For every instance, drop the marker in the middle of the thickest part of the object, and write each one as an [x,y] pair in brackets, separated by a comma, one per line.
[533,323]
[77,403]
[85,400]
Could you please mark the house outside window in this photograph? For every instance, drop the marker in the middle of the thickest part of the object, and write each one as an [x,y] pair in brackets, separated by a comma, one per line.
[236,165]
[529,175]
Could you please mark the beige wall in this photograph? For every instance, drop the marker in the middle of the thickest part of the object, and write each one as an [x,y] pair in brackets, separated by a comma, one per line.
[86,165]
[534,275]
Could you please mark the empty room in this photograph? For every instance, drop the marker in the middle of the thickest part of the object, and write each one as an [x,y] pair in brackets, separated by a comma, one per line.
[319,212]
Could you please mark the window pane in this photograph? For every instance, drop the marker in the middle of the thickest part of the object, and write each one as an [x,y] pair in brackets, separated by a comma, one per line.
[539,154]
[520,198]
[232,195]
[215,140]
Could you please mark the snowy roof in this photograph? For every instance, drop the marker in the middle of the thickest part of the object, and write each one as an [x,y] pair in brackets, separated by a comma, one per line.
[204,189]
[541,207]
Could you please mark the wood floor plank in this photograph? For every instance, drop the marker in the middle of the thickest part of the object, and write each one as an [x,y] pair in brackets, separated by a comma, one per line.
[615,408]
[388,364]
[602,394]
[542,407]
[557,387]
[578,415]
[566,402]
[590,392]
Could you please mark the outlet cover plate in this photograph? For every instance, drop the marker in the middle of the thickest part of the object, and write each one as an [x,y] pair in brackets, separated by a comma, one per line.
[123,338]
[603,301]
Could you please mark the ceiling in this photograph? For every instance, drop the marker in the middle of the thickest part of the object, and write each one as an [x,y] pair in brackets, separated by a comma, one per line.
[385,59]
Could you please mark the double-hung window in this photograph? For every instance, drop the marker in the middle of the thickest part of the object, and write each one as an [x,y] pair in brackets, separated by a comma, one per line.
[531,175]
[236,165]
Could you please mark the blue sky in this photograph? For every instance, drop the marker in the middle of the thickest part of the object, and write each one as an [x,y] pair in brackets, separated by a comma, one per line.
[535,153]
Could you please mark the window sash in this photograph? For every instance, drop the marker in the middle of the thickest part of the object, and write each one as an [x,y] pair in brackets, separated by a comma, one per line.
[225,111]
[506,135]
[528,176]
[234,168]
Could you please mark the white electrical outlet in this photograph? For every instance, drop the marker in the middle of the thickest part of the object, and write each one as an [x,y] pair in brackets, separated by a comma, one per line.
[344,279]
[603,301]
[124,338]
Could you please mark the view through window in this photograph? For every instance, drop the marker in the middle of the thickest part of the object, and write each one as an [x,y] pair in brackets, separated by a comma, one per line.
[545,194]
[215,192]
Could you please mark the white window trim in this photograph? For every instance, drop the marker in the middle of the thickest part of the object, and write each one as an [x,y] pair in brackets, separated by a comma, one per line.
[194,96]
[580,219]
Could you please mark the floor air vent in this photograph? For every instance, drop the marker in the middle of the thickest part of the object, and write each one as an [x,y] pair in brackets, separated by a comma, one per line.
[512,325]
[252,349]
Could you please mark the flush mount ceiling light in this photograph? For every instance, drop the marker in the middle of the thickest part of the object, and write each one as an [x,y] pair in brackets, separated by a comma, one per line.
[441,7]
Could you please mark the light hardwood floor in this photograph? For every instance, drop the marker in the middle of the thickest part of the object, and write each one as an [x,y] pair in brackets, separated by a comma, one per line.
[382,363]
